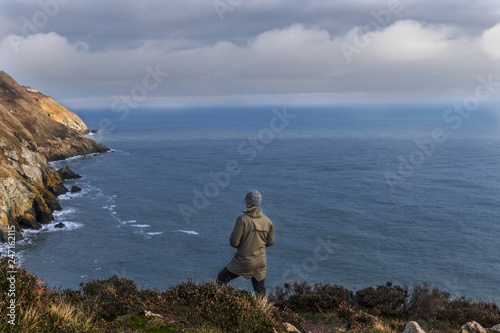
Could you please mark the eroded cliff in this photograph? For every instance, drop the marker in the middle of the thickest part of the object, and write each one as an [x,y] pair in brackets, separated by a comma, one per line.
[58,112]
[34,129]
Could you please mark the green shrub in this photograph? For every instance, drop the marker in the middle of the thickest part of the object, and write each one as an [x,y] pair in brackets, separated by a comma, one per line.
[28,290]
[115,297]
[384,300]
[463,310]
[355,317]
[117,305]
[305,297]
[425,302]
[225,308]
[37,308]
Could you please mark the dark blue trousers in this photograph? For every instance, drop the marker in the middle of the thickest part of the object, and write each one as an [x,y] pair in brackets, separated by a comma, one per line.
[225,276]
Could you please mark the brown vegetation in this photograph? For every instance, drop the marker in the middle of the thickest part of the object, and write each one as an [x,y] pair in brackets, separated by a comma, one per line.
[118,305]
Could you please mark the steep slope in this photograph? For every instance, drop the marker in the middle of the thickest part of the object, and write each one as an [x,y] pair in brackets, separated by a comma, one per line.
[29,138]
[57,112]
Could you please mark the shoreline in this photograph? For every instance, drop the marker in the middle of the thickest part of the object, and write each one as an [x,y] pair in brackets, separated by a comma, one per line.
[35,130]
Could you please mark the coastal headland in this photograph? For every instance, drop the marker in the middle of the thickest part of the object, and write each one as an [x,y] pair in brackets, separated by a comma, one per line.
[34,130]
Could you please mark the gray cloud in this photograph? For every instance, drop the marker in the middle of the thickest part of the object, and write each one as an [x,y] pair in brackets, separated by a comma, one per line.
[84,51]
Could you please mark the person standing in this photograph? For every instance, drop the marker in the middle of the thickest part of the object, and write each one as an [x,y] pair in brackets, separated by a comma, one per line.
[252,233]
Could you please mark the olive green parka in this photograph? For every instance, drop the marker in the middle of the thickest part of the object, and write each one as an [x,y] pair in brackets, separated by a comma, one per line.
[252,233]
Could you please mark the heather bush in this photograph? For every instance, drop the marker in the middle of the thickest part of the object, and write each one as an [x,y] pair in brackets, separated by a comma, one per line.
[113,297]
[225,308]
[303,296]
[463,310]
[355,317]
[117,296]
[28,289]
[384,300]
[118,305]
[38,309]
[426,302]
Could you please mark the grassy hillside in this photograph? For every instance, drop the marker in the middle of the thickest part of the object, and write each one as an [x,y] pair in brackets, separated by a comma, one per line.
[118,305]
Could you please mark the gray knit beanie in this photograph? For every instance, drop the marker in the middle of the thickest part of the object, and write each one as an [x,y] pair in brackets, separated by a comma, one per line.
[253,198]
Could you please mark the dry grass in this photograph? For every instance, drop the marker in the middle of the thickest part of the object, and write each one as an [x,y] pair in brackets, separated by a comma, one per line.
[75,315]
[117,305]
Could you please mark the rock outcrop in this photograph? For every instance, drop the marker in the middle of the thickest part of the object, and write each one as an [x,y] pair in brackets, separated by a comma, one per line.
[75,189]
[413,327]
[291,328]
[34,129]
[67,173]
[495,328]
[59,225]
[472,327]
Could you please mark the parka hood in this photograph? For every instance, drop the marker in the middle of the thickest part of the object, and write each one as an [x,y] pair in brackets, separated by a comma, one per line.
[253,212]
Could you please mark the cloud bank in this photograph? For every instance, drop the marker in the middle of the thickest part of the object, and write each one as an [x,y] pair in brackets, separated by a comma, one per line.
[392,52]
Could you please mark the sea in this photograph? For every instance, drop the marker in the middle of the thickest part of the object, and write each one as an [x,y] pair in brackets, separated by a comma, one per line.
[359,195]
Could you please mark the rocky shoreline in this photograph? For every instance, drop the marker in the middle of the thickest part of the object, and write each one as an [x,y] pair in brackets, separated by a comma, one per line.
[34,130]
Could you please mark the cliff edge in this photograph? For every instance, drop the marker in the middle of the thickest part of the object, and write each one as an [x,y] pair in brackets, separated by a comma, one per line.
[57,112]
[34,129]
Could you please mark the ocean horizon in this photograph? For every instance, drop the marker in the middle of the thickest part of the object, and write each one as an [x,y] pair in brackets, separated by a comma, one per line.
[359,195]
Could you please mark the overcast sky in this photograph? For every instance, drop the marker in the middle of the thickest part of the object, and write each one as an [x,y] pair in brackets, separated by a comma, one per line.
[89,53]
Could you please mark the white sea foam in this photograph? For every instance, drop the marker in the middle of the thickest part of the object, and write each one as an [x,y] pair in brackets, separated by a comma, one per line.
[128,222]
[141,225]
[64,212]
[189,232]
[64,197]
[27,233]
[51,227]
[76,157]
[68,226]
[70,195]
[58,163]
[4,249]
[17,254]
[148,235]
[95,132]
[154,233]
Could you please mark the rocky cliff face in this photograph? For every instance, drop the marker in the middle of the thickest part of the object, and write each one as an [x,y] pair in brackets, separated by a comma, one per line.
[34,129]
[57,112]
